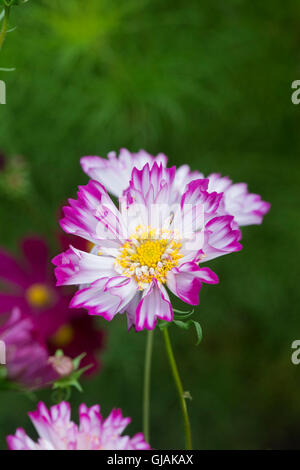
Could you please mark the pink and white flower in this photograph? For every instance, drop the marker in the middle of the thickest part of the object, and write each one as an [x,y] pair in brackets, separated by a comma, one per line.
[148,245]
[114,173]
[57,432]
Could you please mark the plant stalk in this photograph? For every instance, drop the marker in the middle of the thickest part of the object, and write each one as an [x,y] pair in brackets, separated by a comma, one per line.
[178,383]
[4,25]
[147,383]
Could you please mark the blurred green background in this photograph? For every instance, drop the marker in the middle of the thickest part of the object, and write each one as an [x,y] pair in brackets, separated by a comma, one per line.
[209,84]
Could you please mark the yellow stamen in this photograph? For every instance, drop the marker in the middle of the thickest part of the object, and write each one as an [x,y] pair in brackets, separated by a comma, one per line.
[149,253]
[38,295]
[63,336]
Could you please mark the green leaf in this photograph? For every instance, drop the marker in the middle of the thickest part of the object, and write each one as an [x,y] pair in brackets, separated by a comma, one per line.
[162,325]
[184,312]
[182,324]
[183,317]
[198,331]
[77,360]
[186,325]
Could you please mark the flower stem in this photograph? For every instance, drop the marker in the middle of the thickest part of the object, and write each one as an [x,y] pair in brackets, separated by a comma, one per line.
[187,426]
[4,25]
[147,380]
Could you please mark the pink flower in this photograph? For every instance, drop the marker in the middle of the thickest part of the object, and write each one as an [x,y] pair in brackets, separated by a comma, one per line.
[114,173]
[57,432]
[26,354]
[135,255]
[29,284]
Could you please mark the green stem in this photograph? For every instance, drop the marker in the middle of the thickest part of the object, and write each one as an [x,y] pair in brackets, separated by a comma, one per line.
[4,25]
[147,380]
[187,426]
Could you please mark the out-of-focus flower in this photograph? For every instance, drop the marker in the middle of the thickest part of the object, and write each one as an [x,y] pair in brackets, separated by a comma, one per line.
[29,284]
[114,173]
[57,432]
[14,175]
[63,365]
[26,355]
[136,254]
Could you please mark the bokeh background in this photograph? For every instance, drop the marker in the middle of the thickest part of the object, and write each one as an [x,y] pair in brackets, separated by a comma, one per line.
[209,84]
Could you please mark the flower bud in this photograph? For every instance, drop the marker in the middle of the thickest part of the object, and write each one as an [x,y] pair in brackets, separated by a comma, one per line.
[62,365]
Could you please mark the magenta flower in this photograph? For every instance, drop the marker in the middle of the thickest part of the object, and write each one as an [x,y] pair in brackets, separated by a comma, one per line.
[115,172]
[57,432]
[26,355]
[137,255]
[29,284]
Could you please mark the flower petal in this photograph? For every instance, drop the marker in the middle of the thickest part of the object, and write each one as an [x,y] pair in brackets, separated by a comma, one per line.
[93,216]
[186,281]
[155,303]
[36,252]
[106,297]
[220,238]
[114,172]
[77,267]
[11,271]
[247,208]
[131,309]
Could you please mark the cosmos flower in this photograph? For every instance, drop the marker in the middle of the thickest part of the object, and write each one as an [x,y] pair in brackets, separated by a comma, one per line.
[27,357]
[29,284]
[57,432]
[114,173]
[150,244]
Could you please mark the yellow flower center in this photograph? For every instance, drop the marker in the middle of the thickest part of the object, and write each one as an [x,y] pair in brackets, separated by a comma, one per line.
[38,295]
[63,336]
[148,254]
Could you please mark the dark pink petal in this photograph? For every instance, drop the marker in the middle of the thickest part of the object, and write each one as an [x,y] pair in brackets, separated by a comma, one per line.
[8,302]
[11,271]
[36,253]
[26,355]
